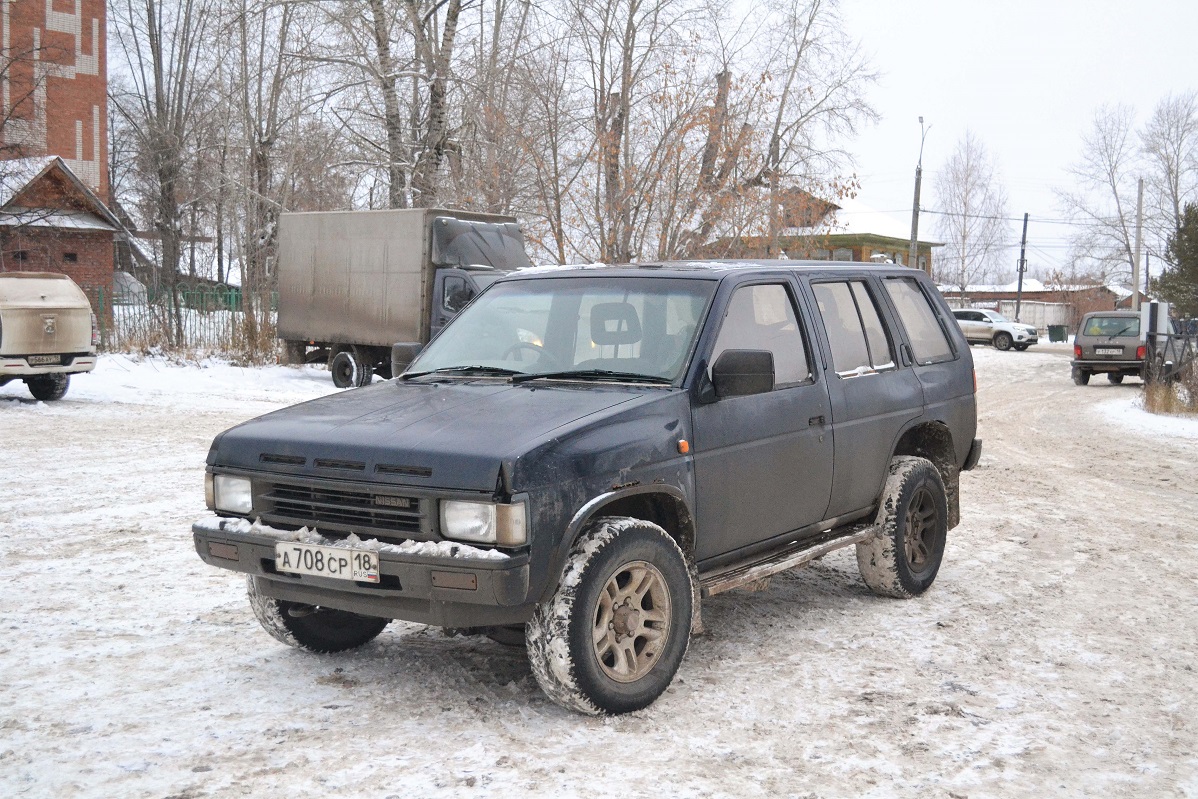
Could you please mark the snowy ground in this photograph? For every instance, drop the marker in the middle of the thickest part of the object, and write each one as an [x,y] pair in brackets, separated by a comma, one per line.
[1054,656]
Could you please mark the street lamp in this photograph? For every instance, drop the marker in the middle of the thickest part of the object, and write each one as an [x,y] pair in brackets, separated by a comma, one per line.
[913,253]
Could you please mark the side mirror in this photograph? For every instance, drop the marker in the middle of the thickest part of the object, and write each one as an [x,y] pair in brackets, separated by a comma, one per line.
[403,354]
[740,372]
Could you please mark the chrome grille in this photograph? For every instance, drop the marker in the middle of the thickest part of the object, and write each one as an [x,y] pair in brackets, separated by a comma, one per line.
[335,508]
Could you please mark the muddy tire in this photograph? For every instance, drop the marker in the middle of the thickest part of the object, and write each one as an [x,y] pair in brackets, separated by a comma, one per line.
[902,561]
[313,628]
[1002,341]
[1114,377]
[48,388]
[347,370]
[1081,377]
[613,635]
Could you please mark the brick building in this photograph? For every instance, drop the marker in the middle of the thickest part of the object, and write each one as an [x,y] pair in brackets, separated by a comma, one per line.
[50,221]
[809,227]
[54,85]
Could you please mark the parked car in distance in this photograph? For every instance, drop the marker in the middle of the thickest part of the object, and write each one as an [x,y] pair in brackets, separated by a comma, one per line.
[990,327]
[47,332]
[1110,342]
[583,455]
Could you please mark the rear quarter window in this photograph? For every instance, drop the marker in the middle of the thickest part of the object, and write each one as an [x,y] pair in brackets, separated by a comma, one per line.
[928,340]
[859,339]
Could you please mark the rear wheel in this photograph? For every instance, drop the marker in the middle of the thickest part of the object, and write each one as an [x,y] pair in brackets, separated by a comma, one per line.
[903,560]
[1114,377]
[1081,376]
[613,635]
[348,370]
[1002,341]
[48,388]
[312,627]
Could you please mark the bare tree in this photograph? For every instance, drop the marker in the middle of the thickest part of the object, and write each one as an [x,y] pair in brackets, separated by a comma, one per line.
[1104,199]
[163,43]
[973,215]
[1170,145]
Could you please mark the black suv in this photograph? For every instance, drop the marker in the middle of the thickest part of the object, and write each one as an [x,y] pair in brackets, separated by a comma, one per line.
[583,454]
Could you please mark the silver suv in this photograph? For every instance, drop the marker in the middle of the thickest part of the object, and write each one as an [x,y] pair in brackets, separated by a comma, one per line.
[991,327]
[1109,341]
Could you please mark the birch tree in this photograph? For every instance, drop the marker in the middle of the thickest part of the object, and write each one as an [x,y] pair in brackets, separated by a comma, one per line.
[973,222]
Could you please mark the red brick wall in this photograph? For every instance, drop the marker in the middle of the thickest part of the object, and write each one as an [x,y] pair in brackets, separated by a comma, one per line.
[46,250]
[67,115]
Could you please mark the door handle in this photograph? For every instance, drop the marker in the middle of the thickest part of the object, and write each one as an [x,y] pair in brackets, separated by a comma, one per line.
[816,421]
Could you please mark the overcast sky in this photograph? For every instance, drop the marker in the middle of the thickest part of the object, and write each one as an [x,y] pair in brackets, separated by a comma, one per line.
[1025,76]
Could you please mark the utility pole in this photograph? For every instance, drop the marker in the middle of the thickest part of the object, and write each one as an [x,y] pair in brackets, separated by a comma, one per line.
[1022,267]
[1135,267]
[913,252]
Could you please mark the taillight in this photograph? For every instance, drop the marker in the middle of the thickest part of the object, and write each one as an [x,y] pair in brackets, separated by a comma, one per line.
[1077,351]
[1141,352]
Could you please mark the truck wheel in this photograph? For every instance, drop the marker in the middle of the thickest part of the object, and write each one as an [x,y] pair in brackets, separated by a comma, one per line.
[902,561]
[346,370]
[48,388]
[612,636]
[1081,376]
[1114,377]
[1002,341]
[365,366]
[313,628]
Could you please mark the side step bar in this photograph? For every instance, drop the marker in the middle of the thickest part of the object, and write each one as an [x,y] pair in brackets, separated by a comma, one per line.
[797,554]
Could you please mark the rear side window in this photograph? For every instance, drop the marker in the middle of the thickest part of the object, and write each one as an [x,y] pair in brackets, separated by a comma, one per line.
[763,318]
[928,342]
[855,331]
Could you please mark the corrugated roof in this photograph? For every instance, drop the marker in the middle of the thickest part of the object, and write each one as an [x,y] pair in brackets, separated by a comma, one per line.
[70,220]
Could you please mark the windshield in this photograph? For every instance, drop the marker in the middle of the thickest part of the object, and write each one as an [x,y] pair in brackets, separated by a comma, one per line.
[601,326]
[1112,326]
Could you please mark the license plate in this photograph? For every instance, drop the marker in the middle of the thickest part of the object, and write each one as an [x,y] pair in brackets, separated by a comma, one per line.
[1108,350]
[320,561]
[44,360]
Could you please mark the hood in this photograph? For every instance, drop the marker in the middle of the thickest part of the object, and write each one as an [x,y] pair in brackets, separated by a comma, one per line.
[451,435]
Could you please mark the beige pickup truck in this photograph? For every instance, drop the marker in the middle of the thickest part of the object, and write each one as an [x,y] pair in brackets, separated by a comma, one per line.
[47,332]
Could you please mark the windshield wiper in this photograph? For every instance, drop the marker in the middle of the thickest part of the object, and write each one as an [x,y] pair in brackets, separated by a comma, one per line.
[593,374]
[497,371]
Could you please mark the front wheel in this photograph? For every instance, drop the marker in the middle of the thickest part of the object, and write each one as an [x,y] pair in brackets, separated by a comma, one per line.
[613,635]
[48,388]
[1020,347]
[902,561]
[1002,341]
[312,627]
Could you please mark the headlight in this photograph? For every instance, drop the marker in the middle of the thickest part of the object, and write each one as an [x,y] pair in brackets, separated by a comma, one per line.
[232,494]
[484,522]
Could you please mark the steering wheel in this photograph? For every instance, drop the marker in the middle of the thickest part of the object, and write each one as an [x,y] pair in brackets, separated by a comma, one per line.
[528,345]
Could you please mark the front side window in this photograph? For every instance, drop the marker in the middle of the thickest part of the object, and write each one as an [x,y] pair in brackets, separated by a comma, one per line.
[854,326]
[928,342]
[763,318]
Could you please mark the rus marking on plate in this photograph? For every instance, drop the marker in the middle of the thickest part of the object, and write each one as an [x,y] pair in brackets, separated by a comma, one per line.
[393,502]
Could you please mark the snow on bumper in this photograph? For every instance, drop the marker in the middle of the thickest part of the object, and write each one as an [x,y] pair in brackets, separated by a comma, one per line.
[432,582]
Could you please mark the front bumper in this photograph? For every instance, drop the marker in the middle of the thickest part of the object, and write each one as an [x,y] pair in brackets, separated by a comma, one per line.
[12,366]
[412,587]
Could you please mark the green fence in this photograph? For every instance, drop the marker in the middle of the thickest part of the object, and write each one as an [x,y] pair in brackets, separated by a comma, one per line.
[201,321]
